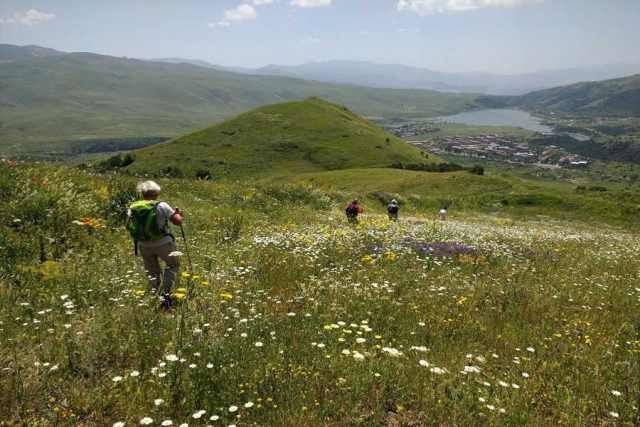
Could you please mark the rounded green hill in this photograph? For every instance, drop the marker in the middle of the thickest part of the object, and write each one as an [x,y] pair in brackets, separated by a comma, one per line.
[306,136]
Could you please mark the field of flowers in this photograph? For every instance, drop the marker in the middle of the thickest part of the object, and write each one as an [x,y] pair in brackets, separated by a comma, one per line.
[287,315]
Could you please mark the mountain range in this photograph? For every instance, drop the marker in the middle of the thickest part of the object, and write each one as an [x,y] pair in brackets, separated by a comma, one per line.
[396,76]
[392,76]
[84,96]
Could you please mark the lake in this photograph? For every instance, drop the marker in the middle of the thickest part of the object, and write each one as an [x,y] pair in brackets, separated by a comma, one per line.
[499,118]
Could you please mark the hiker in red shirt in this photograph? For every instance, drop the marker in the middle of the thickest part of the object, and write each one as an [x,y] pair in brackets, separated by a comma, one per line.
[352,210]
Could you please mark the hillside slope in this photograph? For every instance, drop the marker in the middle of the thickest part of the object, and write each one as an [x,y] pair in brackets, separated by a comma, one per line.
[617,97]
[281,139]
[612,98]
[83,96]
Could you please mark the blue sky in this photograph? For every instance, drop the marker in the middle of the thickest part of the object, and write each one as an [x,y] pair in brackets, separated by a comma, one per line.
[501,36]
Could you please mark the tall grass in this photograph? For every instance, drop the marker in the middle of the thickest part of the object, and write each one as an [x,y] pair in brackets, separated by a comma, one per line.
[292,316]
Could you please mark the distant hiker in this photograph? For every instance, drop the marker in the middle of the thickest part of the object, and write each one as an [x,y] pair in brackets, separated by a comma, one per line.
[443,214]
[352,210]
[392,210]
[147,222]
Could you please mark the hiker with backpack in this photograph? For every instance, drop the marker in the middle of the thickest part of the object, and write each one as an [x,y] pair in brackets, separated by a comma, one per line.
[352,210]
[443,214]
[148,223]
[392,210]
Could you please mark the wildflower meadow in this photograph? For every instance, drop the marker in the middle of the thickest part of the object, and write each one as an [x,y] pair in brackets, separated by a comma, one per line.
[287,315]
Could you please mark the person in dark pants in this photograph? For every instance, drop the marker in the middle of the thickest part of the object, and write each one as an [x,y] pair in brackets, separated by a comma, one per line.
[392,210]
[162,243]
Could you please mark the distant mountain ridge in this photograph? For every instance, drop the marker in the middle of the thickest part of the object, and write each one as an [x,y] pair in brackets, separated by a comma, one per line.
[9,52]
[403,76]
[392,76]
[395,76]
[201,63]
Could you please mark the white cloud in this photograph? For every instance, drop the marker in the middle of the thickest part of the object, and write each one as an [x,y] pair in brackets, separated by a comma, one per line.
[243,12]
[261,2]
[218,24]
[409,30]
[29,18]
[240,13]
[310,40]
[310,3]
[429,7]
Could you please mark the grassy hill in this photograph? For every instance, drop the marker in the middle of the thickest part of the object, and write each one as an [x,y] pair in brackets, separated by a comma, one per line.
[301,136]
[612,98]
[284,314]
[82,96]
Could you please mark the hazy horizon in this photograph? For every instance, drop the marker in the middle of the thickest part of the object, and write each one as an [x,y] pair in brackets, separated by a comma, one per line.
[493,36]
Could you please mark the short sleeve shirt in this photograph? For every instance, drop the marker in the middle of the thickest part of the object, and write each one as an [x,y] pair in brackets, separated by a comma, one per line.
[164,212]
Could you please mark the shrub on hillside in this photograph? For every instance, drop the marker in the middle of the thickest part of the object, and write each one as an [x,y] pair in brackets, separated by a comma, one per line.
[6,185]
[203,174]
[173,172]
[127,160]
[430,167]
[477,169]
[115,162]
[111,163]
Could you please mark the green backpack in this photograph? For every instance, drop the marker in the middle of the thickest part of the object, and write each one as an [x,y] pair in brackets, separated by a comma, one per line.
[143,226]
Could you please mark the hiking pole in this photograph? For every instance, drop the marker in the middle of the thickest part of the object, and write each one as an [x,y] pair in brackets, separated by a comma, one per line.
[186,247]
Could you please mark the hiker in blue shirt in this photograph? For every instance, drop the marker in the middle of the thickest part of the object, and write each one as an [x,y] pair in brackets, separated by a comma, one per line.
[150,229]
[392,210]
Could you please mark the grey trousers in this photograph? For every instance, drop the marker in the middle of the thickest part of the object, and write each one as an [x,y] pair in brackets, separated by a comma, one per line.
[151,256]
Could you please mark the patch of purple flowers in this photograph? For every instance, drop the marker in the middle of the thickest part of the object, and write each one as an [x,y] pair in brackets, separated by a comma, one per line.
[374,247]
[444,249]
[530,253]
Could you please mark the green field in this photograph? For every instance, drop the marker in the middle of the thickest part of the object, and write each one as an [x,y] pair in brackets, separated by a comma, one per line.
[519,310]
[611,175]
[443,130]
